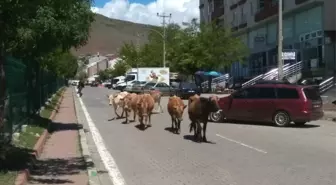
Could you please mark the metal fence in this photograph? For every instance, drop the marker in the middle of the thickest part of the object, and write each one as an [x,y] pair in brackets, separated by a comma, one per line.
[28,87]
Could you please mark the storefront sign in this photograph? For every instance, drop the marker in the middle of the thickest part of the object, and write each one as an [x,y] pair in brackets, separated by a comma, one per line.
[289,55]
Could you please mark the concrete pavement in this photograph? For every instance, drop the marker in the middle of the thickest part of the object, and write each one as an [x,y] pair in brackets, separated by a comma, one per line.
[242,154]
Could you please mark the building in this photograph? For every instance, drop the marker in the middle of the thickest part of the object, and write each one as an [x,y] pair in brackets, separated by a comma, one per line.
[308,28]
[99,63]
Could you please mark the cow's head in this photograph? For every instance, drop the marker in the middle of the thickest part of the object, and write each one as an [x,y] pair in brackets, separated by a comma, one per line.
[179,109]
[213,104]
[111,98]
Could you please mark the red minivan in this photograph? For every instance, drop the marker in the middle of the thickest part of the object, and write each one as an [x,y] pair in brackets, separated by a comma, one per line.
[278,103]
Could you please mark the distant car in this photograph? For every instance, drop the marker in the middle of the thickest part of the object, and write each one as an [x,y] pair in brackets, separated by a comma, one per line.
[187,89]
[164,88]
[107,84]
[137,87]
[277,103]
[94,84]
[129,86]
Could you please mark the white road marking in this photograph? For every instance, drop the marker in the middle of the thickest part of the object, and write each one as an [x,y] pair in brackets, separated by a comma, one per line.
[242,144]
[110,164]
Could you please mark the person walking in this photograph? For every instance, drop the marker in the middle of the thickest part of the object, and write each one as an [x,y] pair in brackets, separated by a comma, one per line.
[80,87]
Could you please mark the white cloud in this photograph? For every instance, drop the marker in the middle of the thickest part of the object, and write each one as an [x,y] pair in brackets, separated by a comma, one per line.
[181,10]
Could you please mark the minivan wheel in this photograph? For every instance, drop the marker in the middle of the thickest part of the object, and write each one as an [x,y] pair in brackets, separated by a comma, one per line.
[281,119]
[216,116]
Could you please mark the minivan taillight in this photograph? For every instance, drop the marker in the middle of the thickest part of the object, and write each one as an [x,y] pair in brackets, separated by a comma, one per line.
[306,106]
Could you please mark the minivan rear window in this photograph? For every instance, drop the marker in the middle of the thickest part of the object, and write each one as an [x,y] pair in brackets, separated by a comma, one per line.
[312,94]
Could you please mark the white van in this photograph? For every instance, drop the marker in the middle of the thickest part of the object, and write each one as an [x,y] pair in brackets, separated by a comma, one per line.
[117,80]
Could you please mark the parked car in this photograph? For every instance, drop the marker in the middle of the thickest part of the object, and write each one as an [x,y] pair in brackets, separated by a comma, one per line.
[94,84]
[272,102]
[164,88]
[137,87]
[187,89]
[129,86]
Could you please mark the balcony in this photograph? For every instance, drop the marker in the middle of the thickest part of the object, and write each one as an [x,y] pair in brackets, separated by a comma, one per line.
[297,2]
[269,10]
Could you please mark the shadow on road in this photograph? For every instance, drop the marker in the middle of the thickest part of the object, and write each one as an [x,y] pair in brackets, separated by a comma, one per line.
[45,170]
[193,139]
[169,129]
[13,158]
[141,127]
[57,127]
[265,124]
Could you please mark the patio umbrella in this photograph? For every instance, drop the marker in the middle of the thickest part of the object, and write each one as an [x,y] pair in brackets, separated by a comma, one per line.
[213,73]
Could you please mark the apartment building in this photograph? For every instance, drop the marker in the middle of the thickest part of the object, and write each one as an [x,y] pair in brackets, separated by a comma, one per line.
[308,28]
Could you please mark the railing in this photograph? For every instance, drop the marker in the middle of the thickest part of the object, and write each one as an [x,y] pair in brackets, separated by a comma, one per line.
[262,76]
[217,80]
[326,85]
[288,71]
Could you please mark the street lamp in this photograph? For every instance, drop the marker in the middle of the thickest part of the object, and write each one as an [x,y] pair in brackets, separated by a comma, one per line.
[280,40]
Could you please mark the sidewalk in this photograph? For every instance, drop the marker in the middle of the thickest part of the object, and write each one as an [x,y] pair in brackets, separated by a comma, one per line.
[61,161]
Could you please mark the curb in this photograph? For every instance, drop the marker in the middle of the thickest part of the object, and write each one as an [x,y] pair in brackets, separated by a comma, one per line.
[23,176]
[91,171]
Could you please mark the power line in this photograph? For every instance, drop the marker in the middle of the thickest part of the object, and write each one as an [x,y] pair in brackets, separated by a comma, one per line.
[164,16]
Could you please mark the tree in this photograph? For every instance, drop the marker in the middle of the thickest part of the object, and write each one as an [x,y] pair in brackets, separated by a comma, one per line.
[205,47]
[32,30]
[120,68]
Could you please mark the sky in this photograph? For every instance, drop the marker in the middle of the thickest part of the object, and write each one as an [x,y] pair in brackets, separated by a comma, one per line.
[145,11]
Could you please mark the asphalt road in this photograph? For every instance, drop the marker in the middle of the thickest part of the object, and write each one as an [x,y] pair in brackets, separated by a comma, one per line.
[239,154]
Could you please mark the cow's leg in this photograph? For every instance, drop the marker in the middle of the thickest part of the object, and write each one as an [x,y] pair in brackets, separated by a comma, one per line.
[159,102]
[199,131]
[134,115]
[178,129]
[122,113]
[172,120]
[116,111]
[149,121]
[204,131]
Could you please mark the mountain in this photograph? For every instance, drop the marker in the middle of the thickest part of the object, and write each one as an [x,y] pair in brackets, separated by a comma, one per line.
[107,35]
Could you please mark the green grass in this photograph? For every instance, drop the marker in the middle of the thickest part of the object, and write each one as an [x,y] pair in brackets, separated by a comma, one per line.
[18,154]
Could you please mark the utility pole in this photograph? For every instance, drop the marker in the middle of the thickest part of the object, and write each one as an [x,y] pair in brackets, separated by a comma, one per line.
[280,40]
[164,16]
[138,50]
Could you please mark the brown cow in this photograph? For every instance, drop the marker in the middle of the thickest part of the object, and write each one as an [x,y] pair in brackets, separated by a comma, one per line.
[157,99]
[199,110]
[130,104]
[145,108]
[176,108]
[117,101]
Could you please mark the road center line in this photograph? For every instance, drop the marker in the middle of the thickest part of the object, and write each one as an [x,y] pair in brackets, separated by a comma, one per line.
[242,144]
[109,162]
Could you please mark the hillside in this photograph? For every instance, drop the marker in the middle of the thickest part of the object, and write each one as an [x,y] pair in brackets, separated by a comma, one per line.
[107,35]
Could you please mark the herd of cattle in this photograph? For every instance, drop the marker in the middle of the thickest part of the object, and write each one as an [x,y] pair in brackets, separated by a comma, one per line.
[142,105]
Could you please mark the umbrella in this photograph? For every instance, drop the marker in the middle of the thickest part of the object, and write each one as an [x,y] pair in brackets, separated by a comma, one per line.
[213,73]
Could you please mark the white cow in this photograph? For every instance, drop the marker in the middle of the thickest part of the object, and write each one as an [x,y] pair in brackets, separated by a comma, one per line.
[117,100]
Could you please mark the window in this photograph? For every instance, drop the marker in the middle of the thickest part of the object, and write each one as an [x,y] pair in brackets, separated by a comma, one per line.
[248,93]
[162,85]
[151,84]
[312,94]
[266,93]
[261,4]
[287,93]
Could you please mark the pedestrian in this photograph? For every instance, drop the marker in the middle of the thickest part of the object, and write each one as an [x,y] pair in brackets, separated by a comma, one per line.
[80,87]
